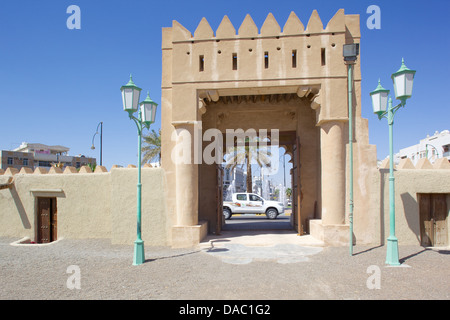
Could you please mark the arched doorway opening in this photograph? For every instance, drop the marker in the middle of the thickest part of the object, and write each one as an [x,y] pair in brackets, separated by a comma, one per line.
[292,120]
[270,184]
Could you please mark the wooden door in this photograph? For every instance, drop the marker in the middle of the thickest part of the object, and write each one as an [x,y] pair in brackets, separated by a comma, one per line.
[433,219]
[46,220]
[296,188]
[53,221]
[219,199]
[425,219]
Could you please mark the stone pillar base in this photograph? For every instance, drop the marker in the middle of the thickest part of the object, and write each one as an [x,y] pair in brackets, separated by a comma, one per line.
[334,235]
[189,236]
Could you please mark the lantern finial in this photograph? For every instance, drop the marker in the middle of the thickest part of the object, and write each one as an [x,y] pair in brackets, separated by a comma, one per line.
[130,83]
[380,87]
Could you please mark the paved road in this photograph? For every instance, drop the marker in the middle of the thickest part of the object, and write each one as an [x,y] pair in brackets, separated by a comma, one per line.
[226,267]
[258,222]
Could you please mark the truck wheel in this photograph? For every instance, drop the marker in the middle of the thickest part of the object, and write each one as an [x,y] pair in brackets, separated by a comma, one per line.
[227,213]
[272,213]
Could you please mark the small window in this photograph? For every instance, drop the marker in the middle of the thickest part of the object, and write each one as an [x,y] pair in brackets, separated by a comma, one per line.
[234,61]
[266,59]
[25,161]
[323,57]
[201,63]
[294,58]
[241,197]
[44,164]
[10,161]
[254,198]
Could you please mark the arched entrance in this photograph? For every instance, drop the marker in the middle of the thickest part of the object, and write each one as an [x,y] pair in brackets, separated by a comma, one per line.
[271,181]
[290,79]
[290,118]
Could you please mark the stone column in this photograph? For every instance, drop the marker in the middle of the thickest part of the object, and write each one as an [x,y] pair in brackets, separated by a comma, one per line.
[186,175]
[333,172]
[187,231]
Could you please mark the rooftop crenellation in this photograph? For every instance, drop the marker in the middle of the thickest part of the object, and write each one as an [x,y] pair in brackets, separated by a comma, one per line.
[270,27]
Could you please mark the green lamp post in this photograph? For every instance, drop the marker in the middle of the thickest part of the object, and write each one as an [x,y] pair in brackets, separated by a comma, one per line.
[350,53]
[146,116]
[403,83]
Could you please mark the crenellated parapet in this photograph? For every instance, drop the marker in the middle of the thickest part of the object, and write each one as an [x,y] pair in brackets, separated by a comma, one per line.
[269,52]
[422,164]
[11,171]
[246,61]
[270,28]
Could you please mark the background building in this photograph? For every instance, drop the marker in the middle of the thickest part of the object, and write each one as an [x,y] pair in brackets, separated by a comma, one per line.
[263,186]
[16,160]
[432,147]
[233,181]
[32,155]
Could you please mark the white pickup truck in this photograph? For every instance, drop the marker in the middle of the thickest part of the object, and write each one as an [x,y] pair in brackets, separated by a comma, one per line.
[245,203]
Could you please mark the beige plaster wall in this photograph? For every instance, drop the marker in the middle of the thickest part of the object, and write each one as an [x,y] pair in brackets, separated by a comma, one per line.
[408,183]
[103,205]
[89,205]
[83,204]
[124,211]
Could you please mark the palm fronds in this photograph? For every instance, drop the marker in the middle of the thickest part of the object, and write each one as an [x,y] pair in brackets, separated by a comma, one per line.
[152,147]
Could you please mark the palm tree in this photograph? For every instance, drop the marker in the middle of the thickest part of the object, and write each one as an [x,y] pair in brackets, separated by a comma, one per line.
[288,192]
[152,147]
[247,155]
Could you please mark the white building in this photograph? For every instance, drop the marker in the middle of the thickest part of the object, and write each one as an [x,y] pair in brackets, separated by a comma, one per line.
[45,156]
[234,180]
[432,147]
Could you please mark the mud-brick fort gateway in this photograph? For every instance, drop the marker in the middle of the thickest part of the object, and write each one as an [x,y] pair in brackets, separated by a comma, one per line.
[291,78]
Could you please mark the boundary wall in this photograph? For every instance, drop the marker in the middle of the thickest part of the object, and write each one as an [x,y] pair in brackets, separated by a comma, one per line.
[89,205]
[103,204]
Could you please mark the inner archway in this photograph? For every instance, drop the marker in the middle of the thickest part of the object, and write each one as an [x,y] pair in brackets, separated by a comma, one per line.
[293,121]
[270,182]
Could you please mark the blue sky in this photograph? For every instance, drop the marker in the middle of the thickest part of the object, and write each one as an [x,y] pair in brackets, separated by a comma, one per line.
[57,84]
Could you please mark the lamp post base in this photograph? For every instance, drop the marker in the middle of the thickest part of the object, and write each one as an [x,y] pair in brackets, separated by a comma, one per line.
[392,251]
[139,253]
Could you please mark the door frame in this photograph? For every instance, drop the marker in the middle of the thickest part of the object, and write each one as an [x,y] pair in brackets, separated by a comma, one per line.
[52,225]
[296,187]
[219,199]
[45,193]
